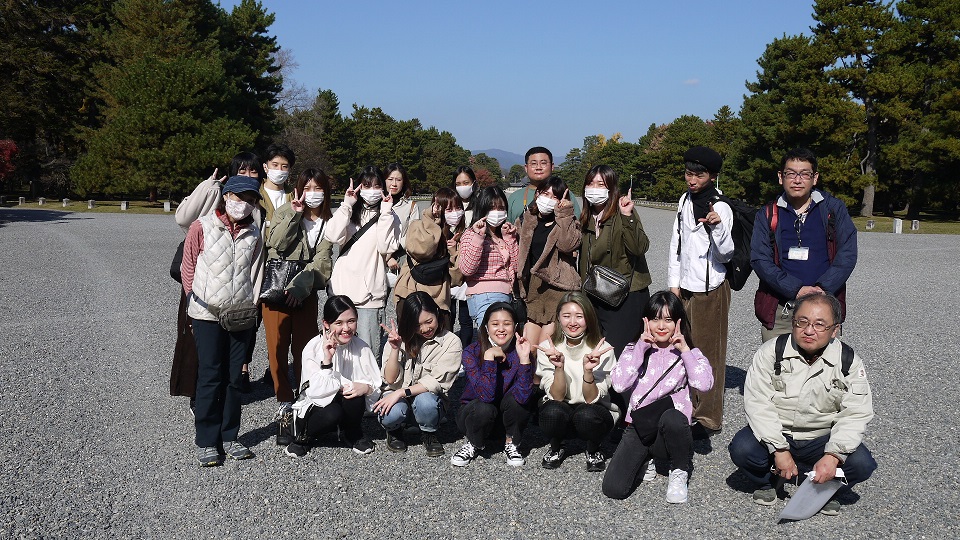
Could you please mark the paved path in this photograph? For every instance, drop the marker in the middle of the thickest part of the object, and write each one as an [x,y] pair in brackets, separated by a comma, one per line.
[93,445]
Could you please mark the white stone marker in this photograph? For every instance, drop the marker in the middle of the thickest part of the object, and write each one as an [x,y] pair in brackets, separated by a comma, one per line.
[897,226]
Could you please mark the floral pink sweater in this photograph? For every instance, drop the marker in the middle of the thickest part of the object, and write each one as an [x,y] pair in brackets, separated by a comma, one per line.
[630,376]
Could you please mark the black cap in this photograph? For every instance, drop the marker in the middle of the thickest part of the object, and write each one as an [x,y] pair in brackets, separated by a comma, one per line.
[706,156]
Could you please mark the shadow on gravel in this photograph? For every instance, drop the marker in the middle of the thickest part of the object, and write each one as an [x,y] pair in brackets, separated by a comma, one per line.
[739,482]
[10,215]
[735,378]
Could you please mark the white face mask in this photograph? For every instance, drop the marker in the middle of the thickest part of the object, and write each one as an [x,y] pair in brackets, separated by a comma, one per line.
[453,217]
[465,191]
[596,195]
[545,204]
[495,218]
[278,177]
[371,196]
[238,209]
[313,199]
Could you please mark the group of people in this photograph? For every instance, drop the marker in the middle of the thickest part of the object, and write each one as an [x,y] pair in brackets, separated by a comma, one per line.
[533,341]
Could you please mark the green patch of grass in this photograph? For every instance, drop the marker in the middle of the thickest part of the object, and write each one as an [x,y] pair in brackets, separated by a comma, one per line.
[885,225]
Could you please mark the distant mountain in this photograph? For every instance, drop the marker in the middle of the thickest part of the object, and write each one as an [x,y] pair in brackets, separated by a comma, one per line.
[506,159]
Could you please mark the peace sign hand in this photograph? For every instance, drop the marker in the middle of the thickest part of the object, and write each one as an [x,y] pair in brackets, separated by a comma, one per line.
[437,213]
[329,346]
[626,205]
[523,348]
[565,200]
[592,359]
[553,355]
[647,336]
[296,203]
[351,193]
[393,337]
[214,176]
[678,340]
[388,200]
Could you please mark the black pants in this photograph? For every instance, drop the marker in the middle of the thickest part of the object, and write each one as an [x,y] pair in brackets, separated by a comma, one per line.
[220,359]
[624,323]
[674,442]
[590,422]
[347,414]
[477,419]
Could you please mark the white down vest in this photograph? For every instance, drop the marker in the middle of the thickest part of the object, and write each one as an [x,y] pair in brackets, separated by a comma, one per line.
[224,272]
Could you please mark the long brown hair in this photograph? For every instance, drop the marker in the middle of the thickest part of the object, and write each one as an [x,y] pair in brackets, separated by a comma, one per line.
[323,182]
[445,197]
[610,179]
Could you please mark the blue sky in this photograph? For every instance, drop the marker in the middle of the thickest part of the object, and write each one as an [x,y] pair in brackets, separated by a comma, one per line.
[515,74]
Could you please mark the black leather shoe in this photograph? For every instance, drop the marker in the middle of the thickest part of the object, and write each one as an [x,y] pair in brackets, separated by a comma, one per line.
[395,442]
[432,445]
[244,383]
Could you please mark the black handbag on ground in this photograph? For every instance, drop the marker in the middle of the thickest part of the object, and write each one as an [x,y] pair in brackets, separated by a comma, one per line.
[276,276]
[646,419]
[430,273]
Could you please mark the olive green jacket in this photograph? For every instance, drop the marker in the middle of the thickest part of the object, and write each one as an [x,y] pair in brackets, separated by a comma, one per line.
[288,240]
[621,245]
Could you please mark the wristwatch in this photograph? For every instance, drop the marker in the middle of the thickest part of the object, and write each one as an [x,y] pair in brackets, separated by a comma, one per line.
[407,393]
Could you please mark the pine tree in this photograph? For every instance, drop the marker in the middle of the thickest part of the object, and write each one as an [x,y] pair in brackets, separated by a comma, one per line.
[164,94]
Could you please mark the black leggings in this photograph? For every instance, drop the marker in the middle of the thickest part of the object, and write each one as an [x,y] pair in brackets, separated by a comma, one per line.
[674,442]
[590,422]
[476,419]
[347,414]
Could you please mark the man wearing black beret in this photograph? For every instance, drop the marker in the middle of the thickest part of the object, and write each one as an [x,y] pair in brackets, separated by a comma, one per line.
[701,242]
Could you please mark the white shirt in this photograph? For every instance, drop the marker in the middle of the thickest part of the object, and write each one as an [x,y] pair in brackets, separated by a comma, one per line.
[700,252]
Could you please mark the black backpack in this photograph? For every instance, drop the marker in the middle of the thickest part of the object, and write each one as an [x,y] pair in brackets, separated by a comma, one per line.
[738,268]
[846,355]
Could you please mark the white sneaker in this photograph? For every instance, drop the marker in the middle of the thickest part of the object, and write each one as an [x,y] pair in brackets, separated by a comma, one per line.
[677,488]
[651,473]
[464,455]
[514,457]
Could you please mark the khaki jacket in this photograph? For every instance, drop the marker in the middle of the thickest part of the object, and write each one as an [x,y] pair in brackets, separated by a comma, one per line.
[621,245]
[436,368]
[806,402]
[557,264]
[289,241]
[423,240]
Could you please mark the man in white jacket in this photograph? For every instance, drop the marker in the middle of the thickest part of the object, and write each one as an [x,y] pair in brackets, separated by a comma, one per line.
[699,246]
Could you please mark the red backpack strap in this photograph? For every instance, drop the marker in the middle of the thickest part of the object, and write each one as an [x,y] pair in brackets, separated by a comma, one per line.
[773,218]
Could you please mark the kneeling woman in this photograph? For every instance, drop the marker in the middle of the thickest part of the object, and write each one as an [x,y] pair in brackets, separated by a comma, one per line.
[420,363]
[656,371]
[340,382]
[574,368]
[499,371]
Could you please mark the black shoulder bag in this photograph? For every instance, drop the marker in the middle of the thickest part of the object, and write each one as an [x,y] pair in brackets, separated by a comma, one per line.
[646,419]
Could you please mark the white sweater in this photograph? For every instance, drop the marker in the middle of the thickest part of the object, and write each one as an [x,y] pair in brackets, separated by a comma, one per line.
[361,274]
[353,362]
[573,373]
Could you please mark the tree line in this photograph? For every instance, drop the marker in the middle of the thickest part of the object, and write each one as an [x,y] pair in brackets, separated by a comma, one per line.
[145,96]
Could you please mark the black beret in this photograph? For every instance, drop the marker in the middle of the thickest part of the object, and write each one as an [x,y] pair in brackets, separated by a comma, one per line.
[705,156]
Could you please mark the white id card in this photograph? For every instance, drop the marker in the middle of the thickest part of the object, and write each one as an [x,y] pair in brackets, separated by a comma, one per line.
[798,253]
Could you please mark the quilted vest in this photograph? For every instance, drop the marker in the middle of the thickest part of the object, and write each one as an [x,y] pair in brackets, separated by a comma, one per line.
[224,273]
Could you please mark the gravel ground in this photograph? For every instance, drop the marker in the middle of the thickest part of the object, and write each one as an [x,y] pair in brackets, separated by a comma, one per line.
[93,445]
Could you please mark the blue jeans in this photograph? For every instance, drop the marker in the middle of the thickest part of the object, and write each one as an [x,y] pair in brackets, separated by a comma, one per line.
[754,459]
[428,409]
[368,328]
[478,304]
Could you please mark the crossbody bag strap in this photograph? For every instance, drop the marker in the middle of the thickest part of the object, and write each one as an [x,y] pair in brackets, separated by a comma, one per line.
[353,239]
[669,369]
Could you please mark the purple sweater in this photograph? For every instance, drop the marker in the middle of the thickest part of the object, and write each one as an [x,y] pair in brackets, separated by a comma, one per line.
[693,369]
[490,381]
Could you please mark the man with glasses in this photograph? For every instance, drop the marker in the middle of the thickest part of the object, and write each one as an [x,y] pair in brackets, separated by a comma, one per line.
[806,405]
[700,244]
[539,166]
[804,242]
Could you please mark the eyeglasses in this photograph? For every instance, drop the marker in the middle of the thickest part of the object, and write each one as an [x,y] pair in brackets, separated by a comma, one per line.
[803,175]
[543,163]
[818,326]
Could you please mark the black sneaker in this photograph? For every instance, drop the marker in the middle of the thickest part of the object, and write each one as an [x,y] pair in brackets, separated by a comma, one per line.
[395,442]
[432,445]
[553,458]
[363,446]
[596,461]
[267,378]
[296,450]
[244,383]
[285,422]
